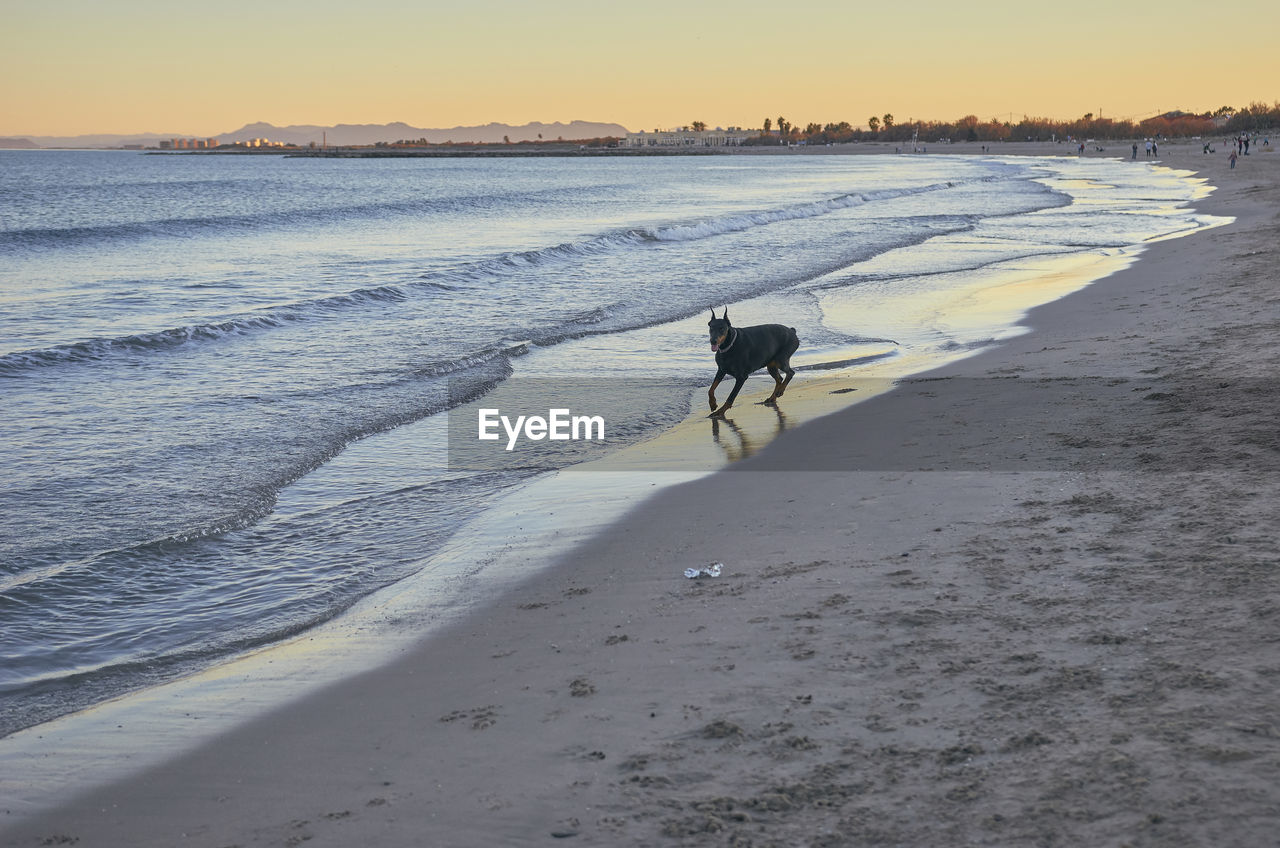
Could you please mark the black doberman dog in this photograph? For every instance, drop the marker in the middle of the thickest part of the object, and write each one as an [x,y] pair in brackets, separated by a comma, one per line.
[743,350]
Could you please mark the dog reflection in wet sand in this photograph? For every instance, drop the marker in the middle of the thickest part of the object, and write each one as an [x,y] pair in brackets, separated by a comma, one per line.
[737,443]
[743,350]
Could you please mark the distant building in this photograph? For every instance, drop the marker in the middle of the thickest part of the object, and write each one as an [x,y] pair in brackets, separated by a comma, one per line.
[250,143]
[186,144]
[685,137]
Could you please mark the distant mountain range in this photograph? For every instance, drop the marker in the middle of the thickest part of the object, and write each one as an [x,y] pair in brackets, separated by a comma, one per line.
[343,134]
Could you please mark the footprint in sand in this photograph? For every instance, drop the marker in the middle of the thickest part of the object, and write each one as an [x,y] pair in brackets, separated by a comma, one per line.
[481,717]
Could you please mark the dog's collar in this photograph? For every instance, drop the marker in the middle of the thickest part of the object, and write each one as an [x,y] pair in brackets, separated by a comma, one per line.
[731,341]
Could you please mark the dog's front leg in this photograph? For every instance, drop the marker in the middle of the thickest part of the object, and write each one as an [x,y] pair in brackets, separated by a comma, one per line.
[711,392]
[737,387]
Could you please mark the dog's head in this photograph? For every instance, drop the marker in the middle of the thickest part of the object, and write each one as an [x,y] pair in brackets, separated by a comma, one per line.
[719,328]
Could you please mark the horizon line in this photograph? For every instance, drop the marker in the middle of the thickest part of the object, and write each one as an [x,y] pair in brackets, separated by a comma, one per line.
[1007,115]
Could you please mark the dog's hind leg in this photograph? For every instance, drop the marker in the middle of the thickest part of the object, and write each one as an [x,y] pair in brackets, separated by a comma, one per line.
[782,387]
[777,384]
[783,361]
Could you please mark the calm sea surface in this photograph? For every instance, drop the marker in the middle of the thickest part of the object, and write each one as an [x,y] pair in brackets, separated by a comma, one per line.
[184,340]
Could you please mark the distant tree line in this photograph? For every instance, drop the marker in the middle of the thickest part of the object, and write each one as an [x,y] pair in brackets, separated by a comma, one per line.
[1225,120]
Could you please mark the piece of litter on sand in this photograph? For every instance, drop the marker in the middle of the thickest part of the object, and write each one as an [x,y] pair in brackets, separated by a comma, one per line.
[712,570]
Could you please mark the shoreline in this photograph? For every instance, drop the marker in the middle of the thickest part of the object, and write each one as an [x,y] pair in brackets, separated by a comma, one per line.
[621,630]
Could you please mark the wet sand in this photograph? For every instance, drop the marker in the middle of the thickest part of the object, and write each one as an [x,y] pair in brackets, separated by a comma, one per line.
[1029,599]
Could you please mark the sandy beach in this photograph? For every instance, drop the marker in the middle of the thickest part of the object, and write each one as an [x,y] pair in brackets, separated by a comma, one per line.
[1029,599]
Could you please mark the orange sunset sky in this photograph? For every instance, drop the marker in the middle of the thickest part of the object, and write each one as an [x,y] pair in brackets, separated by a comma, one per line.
[202,68]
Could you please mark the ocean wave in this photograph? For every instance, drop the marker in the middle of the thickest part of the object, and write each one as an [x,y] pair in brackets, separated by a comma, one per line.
[738,223]
[466,276]
[485,269]
[89,350]
[446,367]
[50,238]
[11,364]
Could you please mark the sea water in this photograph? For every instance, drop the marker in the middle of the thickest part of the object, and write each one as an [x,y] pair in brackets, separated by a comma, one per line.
[197,352]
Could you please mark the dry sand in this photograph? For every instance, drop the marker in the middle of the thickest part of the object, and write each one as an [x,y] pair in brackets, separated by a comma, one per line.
[1031,599]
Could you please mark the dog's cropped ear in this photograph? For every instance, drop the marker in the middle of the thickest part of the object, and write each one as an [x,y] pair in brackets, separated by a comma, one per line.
[726,314]
[713,313]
